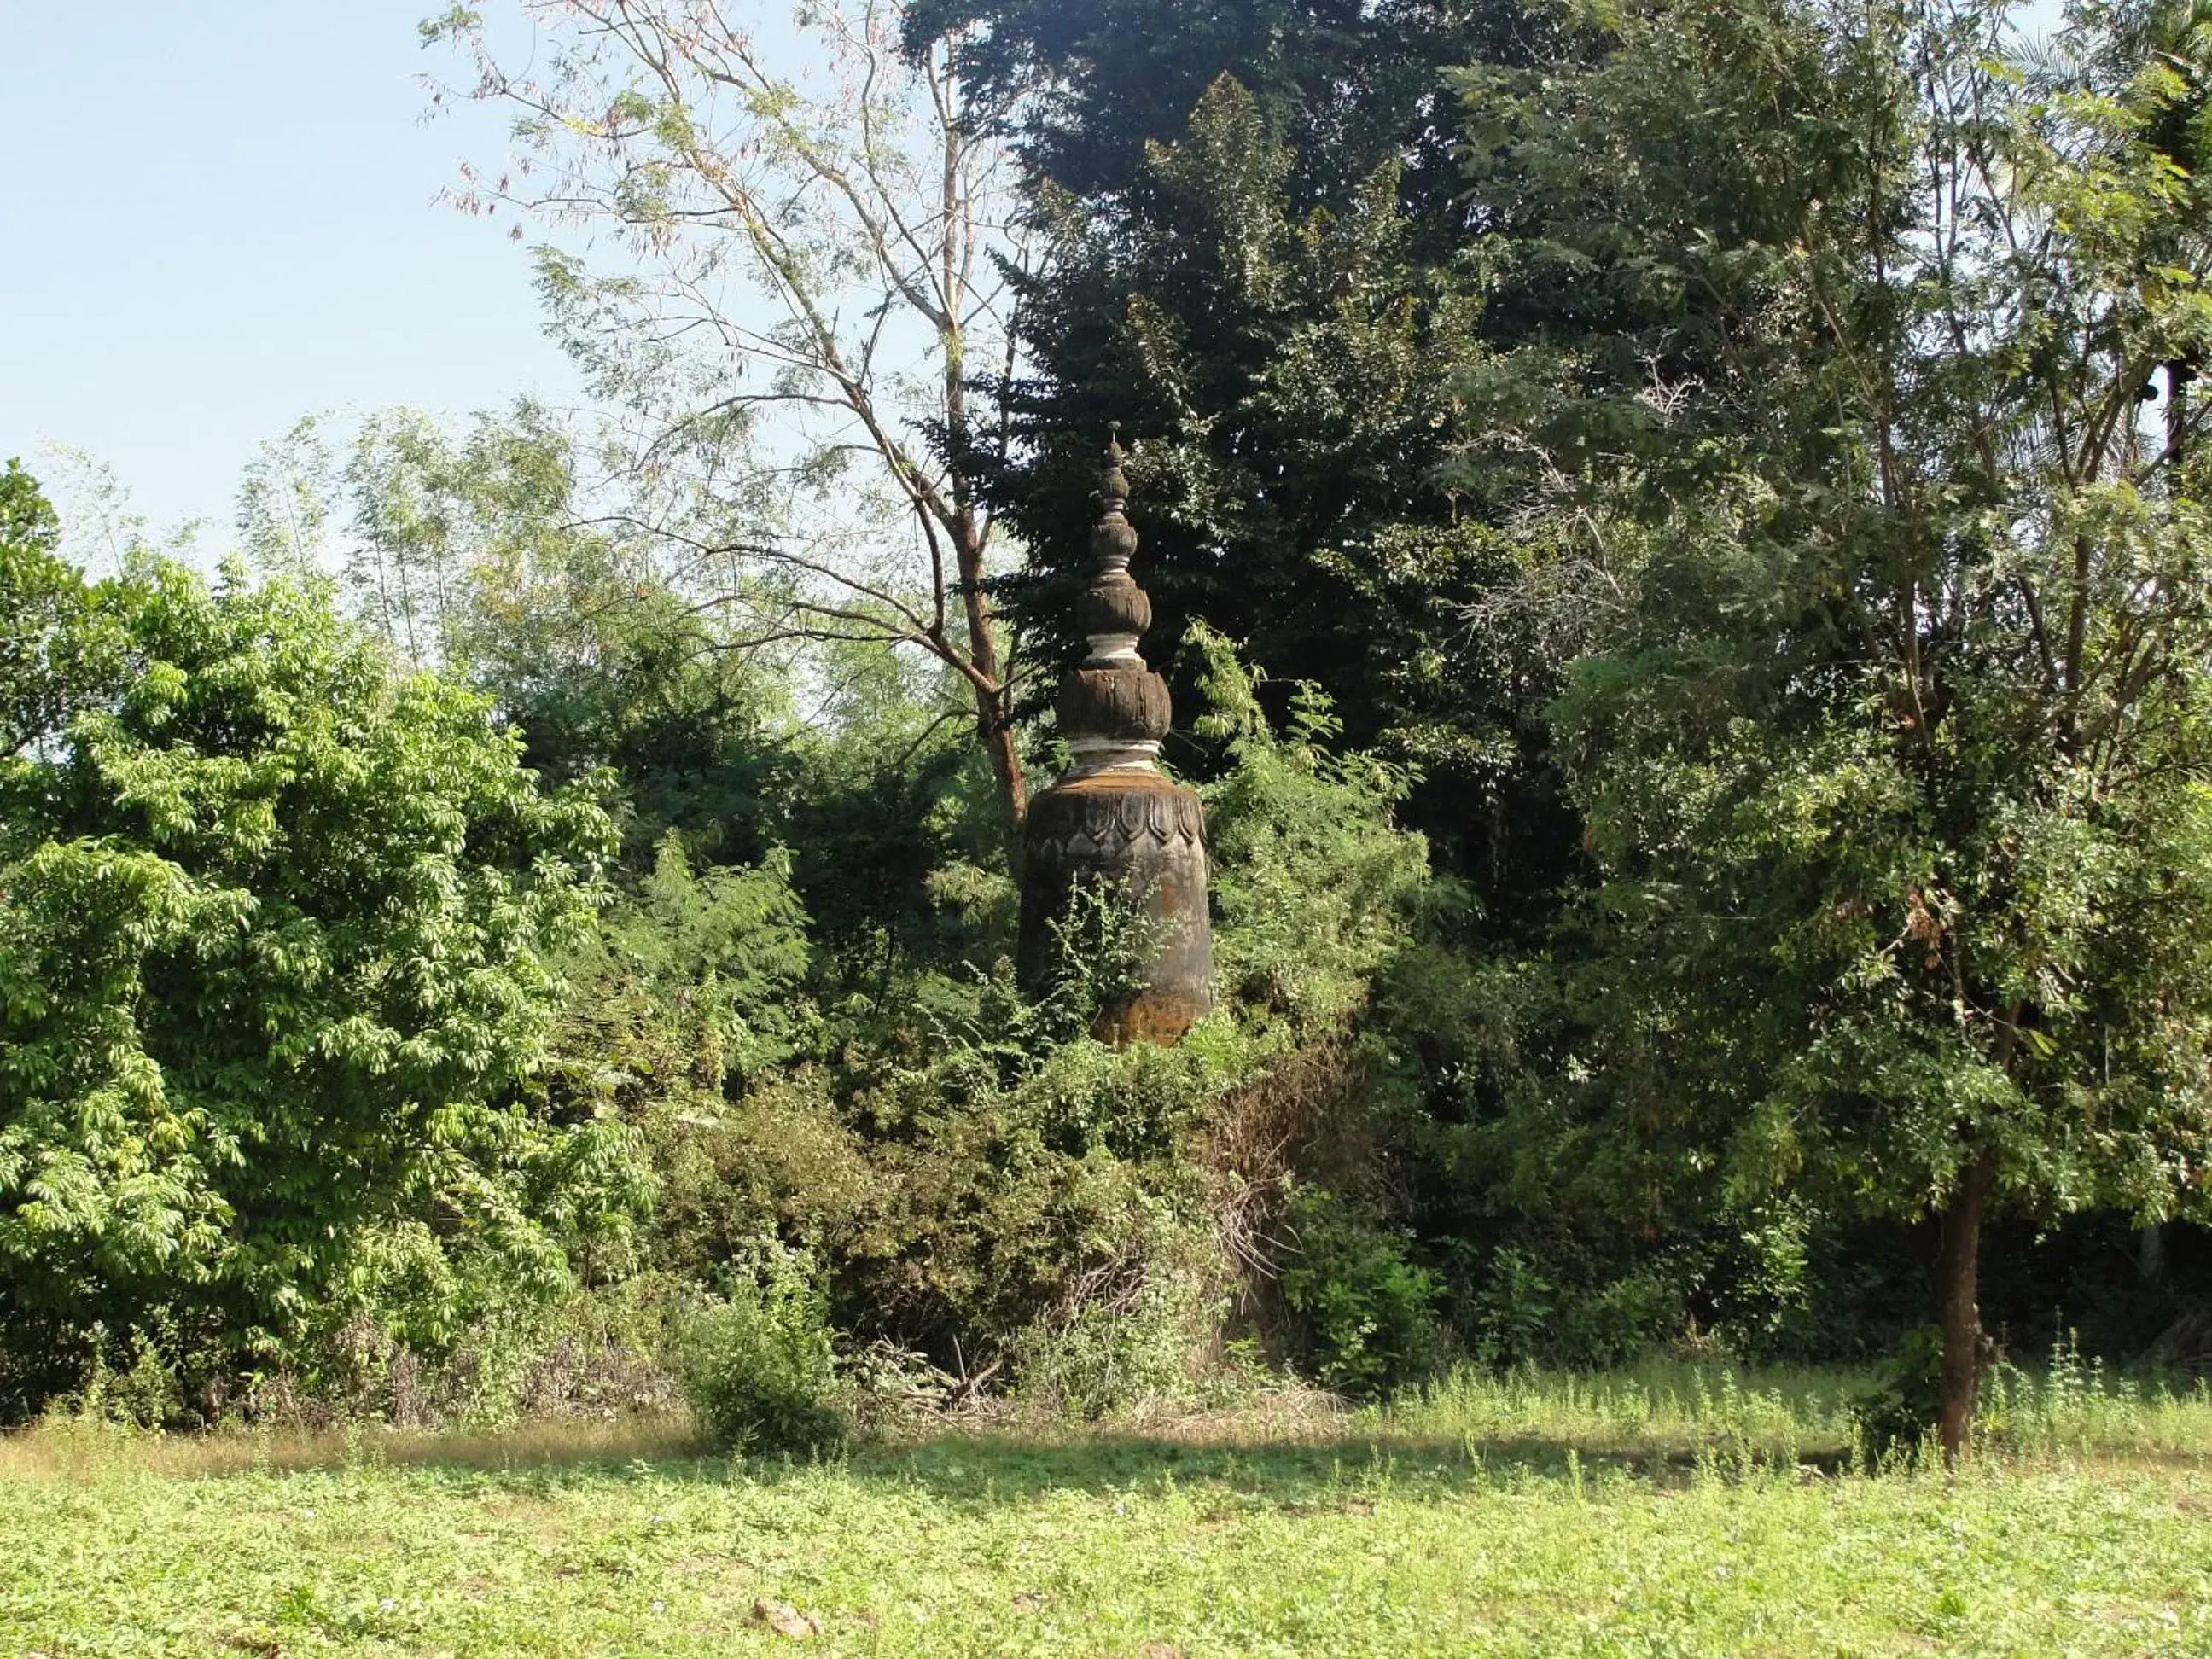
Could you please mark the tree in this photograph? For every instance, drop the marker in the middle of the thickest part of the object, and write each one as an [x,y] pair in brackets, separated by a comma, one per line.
[1287,369]
[287,496]
[39,592]
[275,925]
[1252,233]
[473,547]
[861,218]
[1344,87]
[1893,753]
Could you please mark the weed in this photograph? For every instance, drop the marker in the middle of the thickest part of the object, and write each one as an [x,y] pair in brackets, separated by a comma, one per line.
[757,1364]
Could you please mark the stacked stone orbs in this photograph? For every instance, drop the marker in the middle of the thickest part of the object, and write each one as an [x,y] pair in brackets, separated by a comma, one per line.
[1114,823]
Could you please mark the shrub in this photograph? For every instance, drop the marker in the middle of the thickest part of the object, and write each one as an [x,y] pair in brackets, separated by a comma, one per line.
[1897,1416]
[688,985]
[597,1353]
[1314,883]
[1611,1322]
[1371,1313]
[1512,1308]
[277,928]
[1119,1354]
[757,1364]
[144,1394]
[1138,1328]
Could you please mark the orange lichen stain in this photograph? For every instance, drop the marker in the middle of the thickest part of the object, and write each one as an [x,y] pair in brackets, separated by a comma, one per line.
[1158,1018]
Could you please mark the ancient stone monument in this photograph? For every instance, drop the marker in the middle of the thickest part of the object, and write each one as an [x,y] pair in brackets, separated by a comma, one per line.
[1114,824]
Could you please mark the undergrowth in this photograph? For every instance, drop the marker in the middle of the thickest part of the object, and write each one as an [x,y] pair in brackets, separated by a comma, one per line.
[1664,1412]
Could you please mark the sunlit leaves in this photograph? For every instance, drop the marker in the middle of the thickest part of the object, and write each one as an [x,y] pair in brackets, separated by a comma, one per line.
[276,933]
[1897,770]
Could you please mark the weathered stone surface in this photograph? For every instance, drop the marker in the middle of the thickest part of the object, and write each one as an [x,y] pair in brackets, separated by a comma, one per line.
[1114,822]
[1113,605]
[1143,837]
[1114,703]
[1113,539]
[1114,544]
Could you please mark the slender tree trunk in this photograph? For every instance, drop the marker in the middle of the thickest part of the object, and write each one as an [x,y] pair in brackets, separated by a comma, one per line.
[1958,1294]
[994,709]
[2179,373]
[2150,1253]
[997,730]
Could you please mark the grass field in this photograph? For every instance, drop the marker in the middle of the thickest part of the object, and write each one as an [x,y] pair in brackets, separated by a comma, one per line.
[1667,1513]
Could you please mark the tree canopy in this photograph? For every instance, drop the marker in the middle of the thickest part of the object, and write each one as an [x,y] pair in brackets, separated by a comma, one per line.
[276,945]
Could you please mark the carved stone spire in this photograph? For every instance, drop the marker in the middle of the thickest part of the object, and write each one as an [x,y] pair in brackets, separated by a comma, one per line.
[1114,820]
[1113,710]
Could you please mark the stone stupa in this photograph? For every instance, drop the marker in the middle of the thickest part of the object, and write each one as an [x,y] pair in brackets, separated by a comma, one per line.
[1114,823]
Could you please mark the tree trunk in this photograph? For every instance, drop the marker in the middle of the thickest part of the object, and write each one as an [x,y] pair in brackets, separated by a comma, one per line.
[2150,1253]
[1958,1293]
[997,732]
[2179,373]
[994,708]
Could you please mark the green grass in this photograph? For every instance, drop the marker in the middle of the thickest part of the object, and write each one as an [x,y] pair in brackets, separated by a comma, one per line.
[2066,1408]
[1663,1512]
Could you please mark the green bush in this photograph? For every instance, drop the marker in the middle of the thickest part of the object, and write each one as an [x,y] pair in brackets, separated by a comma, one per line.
[1512,1308]
[1369,1312]
[277,928]
[757,1364]
[1611,1324]
[142,1394]
[1141,1327]
[1117,1353]
[1899,1414]
[597,1353]
[1314,883]
[992,1208]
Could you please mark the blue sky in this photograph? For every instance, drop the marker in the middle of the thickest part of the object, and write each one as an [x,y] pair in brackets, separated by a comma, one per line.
[220,217]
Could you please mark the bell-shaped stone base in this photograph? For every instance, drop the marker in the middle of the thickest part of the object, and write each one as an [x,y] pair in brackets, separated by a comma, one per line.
[1134,832]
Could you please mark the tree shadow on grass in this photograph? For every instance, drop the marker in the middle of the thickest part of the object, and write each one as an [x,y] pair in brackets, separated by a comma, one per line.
[1308,1476]
[1308,1472]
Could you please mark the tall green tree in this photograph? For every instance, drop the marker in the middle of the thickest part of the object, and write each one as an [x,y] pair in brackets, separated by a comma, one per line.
[39,592]
[276,927]
[1281,347]
[1842,323]
[1344,87]
[497,549]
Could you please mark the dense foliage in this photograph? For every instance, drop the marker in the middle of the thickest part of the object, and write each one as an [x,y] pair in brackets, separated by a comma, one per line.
[1891,756]
[1676,530]
[278,932]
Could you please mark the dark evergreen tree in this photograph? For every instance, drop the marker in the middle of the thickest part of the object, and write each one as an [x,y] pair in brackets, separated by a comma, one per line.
[1251,213]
